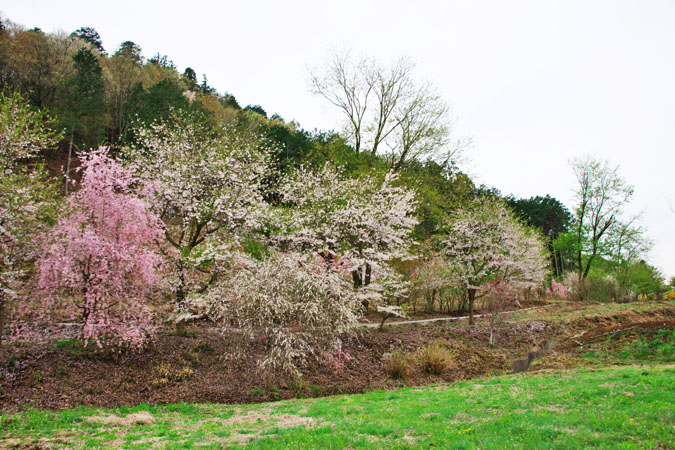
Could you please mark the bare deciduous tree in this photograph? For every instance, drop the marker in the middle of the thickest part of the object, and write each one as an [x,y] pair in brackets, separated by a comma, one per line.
[385,107]
[393,88]
[346,84]
[423,129]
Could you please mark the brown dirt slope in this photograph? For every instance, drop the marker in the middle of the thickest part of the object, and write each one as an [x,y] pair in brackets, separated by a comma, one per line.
[192,368]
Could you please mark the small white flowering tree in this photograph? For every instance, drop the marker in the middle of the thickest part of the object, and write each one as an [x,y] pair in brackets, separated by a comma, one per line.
[23,133]
[206,187]
[298,304]
[485,243]
[364,222]
[26,195]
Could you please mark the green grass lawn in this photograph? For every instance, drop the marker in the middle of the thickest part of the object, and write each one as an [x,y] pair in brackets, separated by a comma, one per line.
[611,407]
[622,348]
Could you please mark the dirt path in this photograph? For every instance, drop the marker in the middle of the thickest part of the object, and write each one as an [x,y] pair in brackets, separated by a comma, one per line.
[439,319]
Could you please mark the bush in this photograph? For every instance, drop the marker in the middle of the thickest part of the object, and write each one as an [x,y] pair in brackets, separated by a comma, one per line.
[434,358]
[166,372]
[297,305]
[400,364]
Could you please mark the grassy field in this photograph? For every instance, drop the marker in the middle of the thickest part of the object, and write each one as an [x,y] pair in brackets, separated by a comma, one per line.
[658,346]
[612,407]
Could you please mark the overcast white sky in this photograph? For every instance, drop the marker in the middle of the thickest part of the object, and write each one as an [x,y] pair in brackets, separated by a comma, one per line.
[534,82]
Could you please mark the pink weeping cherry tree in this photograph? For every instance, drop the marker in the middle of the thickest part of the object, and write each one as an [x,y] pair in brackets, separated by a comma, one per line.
[100,264]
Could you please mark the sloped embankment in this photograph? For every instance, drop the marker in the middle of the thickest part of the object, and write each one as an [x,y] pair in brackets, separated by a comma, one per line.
[192,368]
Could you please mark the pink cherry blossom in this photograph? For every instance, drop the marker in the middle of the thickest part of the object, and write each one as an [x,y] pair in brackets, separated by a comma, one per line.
[100,262]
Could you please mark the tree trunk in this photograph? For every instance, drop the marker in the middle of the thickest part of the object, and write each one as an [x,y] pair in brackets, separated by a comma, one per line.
[384,318]
[588,266]
[472,299]
[180,296]
[70,153]
[362,279]
[356,278]
[2,314]
[180,288]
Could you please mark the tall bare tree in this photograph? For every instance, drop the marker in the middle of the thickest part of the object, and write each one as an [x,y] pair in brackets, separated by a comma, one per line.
[346,84]
[385,107]
[423,129]
[392,88]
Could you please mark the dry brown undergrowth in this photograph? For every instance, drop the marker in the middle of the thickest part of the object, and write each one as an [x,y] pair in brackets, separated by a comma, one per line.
[139,418]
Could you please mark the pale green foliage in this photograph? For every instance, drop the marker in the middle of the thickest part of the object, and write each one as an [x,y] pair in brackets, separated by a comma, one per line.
[26,195]
[601,197]
[23,132]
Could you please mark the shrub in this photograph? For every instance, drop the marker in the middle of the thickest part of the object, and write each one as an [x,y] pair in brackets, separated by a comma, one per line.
[166,372]
[400,364]
[298,305]
[434,358]
[557,290]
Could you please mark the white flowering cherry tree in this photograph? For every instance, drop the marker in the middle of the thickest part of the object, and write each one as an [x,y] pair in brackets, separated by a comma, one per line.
[363,223]
[485,243]
[207,188]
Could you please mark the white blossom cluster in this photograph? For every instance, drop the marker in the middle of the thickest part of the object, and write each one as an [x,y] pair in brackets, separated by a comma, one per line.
[361,219]
[206,186]
[485,242]
[298,304]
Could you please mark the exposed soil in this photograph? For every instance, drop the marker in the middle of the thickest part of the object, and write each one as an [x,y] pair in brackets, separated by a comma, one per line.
[627,326]
[191,368]
[598,327]
[583,333]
